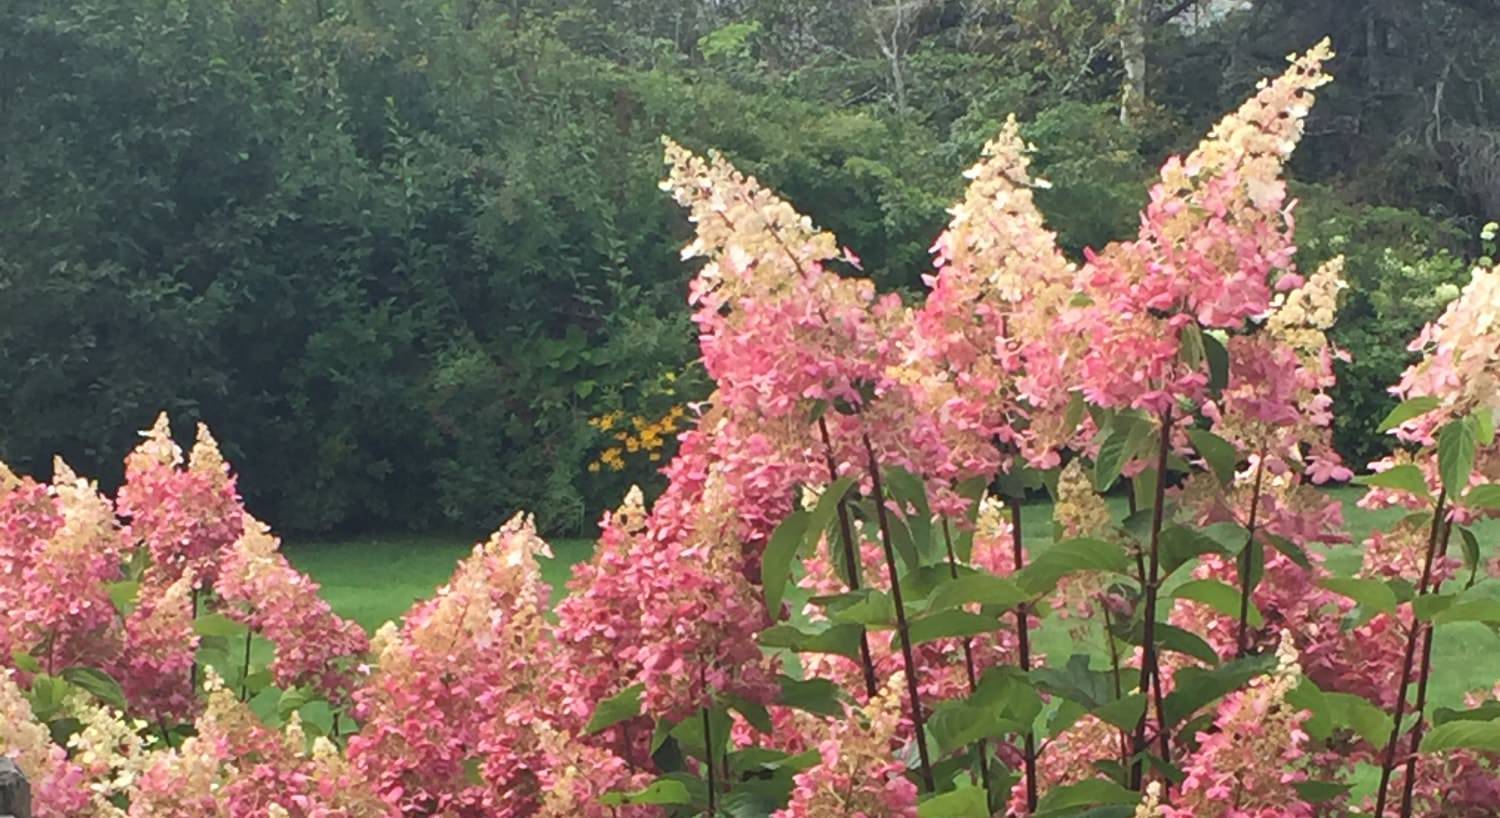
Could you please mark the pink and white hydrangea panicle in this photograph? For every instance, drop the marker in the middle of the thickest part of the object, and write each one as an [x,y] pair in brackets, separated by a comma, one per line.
[1246,766]
[236,767]
[458,662]
[1218,224]
[1150,806]
[1001,283]
[857,773]
[314,646]
[59,787]
[60,546]
[113,751]
[155,667]
[1458,367]
[186,517]
[573,775]
[1071,757]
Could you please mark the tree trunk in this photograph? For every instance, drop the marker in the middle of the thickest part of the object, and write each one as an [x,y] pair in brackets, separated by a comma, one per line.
[1132,22]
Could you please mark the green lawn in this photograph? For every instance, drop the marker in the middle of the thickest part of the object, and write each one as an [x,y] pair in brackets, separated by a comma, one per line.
[375,579]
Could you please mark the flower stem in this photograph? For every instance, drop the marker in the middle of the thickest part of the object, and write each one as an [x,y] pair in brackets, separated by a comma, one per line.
[708,757]
[851,557]
[1388,763]
[1241,641]
[245,671]
[902,631]
[1422,676]
[984,751]
[1023,638]
[1150,672]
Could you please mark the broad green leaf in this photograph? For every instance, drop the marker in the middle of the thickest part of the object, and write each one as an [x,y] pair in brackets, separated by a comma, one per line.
[217,624]
[1488,711]
[622,706]
[1372,595]
[1370,722]
[1077,682]
[956,724]
[776,561]
[1113,453]
[1406,410]
[1217,452]
[1456,735]
[985,589]
[25,662]
[1486,497]
[102,685]
[1068,557]
[1430,605]
[123,594]
[1219,596]
[292,700]
[661,792]
[1195,688]
[969,802]
[827,508]
[756,714]
[909,490]
[1009,693]
[1092,792]
[949,624]
[1306,696]
[1318,792]
[1289,549]
[1456,446]
[842,640]
[1484,426]
[1474,610]
[1405,477]
[1173,638]
[1123,712]
[1217,356]
[1180,545]
[819,696]
[867,606]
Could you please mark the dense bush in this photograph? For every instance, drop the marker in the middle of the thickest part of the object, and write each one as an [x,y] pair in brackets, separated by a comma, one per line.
[868,650]
[404,251]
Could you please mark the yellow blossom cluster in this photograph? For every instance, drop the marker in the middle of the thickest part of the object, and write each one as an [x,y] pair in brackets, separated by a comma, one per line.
[637,435]
[111,750]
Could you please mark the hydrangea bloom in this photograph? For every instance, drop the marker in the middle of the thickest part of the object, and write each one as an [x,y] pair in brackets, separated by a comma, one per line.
[314,646]
[156,664]
[857,774]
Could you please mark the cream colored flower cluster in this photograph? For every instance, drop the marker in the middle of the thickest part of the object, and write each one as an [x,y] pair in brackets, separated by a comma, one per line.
[1301,318]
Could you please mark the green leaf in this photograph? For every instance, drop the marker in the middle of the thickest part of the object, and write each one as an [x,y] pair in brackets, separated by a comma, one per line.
[1289,549]
[842,640]
[1173,638]
[1475,610]
[1068,557]
[1484,426]
[827,508]
[1406,477]
[1077,682]
[662,792]
[1219,596]
[948,625]
[1485,497]
[1358,714]
[867,606]
[969,802]
[756,714]
[1197,687]
[1124,712]
[1407,410]
[123,594]
[1092,792]
[1113,453]
[1318,792]
[217,624]
[955,724]
[1372,595]
[1217,452]
[776,562]
[1455,735]
[25,662]
[1217,356]
[909,490]
[819,696]
[985,589]
[622,706]
[1180,545]
[1456,446]
[292,700]
[1430,605]
[102,685]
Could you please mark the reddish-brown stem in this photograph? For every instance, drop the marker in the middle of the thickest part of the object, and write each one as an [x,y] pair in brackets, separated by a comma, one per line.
[1423,674]
[902,631]
[1023,638]
[1150,673]
[1240,641]
[851,557]
[245,671]
[1114,666]
[1388,763]
[708,758]
[984,750]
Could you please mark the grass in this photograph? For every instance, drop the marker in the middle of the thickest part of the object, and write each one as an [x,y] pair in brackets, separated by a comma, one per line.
[374,580]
